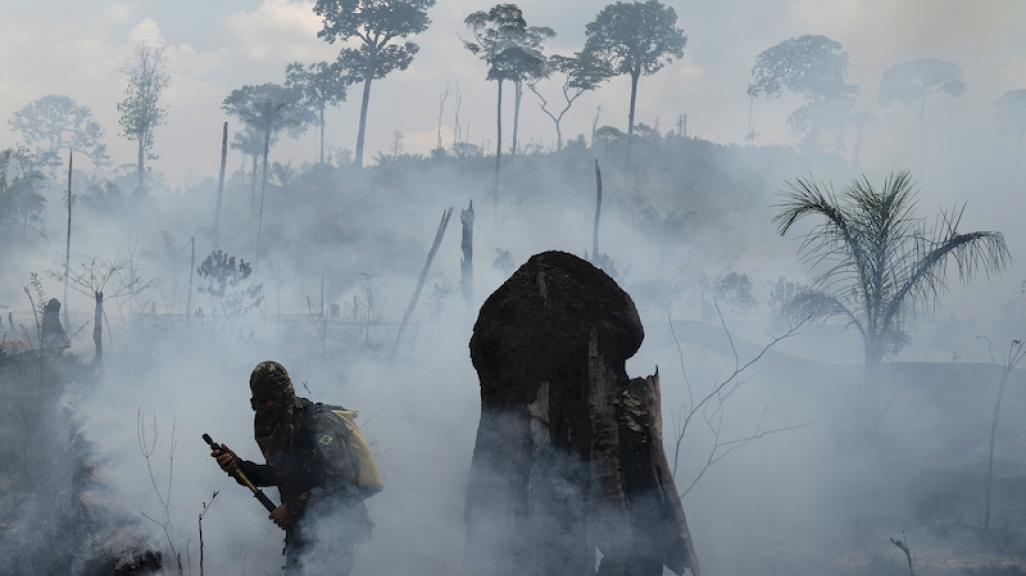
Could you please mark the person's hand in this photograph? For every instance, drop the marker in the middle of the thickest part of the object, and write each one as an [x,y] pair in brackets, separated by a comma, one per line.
[281,517]
[226,459]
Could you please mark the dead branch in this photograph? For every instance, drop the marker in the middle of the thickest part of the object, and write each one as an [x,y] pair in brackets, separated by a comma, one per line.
[903,544]
[420,283]
[712,412]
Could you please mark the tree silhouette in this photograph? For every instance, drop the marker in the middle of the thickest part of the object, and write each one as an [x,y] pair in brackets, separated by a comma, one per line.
[21,200]
[512,51]
[140,111]
[1011,116]
[911,83]
[814,67]
[376,24]
[250,141]
[268,109]
[636,38]
[322,85]
[878,265]
[580,73]
[54,122]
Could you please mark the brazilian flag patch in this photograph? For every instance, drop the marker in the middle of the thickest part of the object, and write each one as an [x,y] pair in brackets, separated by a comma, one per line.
[325,440]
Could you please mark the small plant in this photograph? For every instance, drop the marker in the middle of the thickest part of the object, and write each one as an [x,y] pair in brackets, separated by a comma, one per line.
[735,290]
[227,285]
[503,261]
[147,446]
[37,298]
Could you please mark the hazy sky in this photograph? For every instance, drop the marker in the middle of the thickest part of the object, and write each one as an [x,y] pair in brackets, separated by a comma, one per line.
[75,48]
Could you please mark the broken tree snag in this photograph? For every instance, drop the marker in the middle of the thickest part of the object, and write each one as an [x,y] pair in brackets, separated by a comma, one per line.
[98,329]
[420,283]
[467,261]
[52,331]
[569,454]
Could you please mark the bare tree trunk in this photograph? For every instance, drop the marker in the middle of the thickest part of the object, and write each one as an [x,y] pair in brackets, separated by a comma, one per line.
[67,248]
[1015,354]
[220,184]
[263,191]
[467,262]
[867,405]
[252,197]
[98,329]
[368,76]
[142,156]
[498,149]
[192,268]
[518,92]
[598,212]
[630,120]
[322,135]
[420,283]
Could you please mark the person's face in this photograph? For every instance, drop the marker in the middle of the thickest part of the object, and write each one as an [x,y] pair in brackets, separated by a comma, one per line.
[268,407]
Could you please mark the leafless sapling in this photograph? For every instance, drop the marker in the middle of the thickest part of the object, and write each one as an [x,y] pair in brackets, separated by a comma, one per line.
[712,407]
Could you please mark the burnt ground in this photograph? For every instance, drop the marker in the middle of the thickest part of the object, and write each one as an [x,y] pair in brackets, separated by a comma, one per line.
[921,481]
[56,516]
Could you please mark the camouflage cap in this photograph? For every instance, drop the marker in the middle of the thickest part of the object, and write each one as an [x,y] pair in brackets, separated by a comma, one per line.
[270,380]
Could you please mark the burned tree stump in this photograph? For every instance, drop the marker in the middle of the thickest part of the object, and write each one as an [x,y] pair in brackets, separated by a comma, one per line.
[569,454]
[53,333]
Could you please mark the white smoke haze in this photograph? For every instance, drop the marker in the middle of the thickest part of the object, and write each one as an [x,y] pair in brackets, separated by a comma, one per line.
[798,501]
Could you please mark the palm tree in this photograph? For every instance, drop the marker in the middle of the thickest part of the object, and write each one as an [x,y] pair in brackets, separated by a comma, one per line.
[880,264]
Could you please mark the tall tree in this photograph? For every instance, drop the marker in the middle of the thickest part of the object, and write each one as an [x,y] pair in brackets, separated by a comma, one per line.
[636,38]
[879,263]
[268,109]
[911,84]
[526,63]
[814,67]
[1011,116]
[322,85]
[21,199]
[580,73]
[141,111]
[54,122]
[378,25]
[250,141]
[493,32]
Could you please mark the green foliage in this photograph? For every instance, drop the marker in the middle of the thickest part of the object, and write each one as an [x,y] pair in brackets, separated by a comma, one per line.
[140,111]
[735,290]
[227,285]
[580,73]
[910,83]
[782,292]
[636,38]
[21,199]
[55,122]
[507,44]
[378,25]
[322,85]
[503,262]
[250,141]
[879,263]
[814,67]
[268,109]
[37,300]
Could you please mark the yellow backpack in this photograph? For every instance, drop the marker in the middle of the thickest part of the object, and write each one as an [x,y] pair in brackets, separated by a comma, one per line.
[367,477]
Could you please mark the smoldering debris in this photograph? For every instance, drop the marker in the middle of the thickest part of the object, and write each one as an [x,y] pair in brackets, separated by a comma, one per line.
[57,515]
